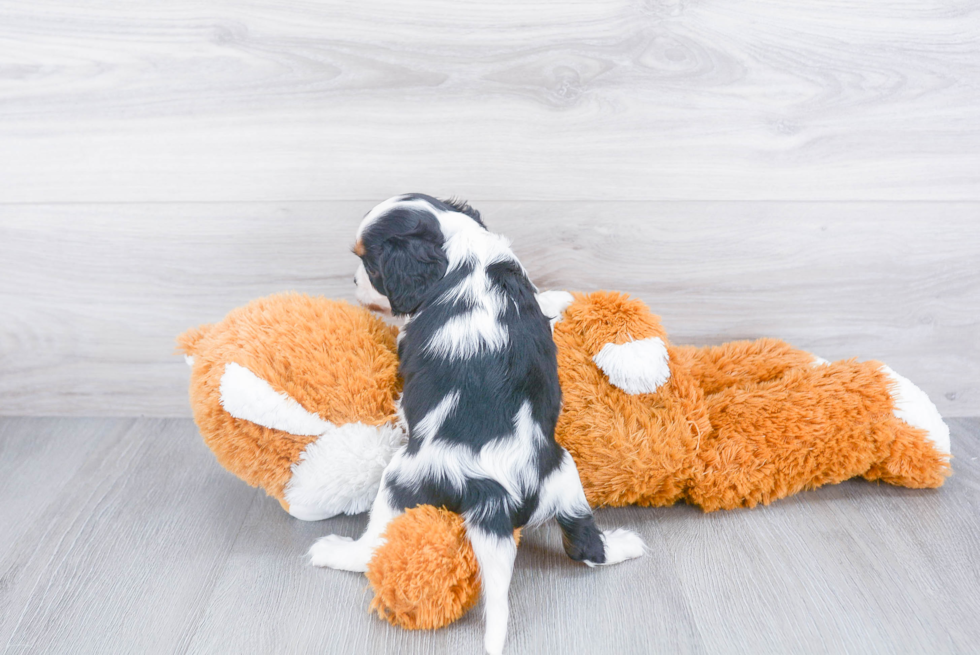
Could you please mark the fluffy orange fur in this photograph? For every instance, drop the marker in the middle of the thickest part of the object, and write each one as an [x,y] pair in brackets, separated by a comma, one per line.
[336,360]
[736,425]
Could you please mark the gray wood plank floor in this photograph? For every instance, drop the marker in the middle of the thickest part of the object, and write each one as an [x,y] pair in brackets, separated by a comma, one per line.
[124,536]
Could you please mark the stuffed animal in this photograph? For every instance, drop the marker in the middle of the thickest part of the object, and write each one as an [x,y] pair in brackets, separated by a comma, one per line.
[287,386]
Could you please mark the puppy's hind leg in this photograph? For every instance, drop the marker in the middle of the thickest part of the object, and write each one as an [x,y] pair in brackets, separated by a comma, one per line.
[563,497]
[337,552]
[495,555]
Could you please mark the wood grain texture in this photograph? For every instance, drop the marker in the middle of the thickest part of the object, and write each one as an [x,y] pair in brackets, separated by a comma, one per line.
[92,296]
[641,100]
[150,547]
[123,559]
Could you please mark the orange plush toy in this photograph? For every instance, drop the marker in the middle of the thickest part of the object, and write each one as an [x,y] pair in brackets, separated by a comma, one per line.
[648,423]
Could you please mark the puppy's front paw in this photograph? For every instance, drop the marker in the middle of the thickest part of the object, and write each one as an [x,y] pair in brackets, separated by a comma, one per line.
[337,552]
[622,545]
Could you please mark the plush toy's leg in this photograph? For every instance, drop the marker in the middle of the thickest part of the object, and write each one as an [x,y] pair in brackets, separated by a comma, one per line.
[741,362]
[495,556]
[813,426]
[562,497]
[343,553]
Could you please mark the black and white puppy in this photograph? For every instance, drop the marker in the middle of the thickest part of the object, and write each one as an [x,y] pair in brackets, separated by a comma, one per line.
[480,399]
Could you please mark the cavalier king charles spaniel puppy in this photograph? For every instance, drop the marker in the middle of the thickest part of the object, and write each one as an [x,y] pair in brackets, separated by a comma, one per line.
[480,400]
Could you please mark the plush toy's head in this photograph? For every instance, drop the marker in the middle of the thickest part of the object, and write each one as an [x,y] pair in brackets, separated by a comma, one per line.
[297,395]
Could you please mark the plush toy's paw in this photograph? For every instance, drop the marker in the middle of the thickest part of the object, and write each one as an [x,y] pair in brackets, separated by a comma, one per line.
[913,406]
[621,545]
[636,366]
[343,553]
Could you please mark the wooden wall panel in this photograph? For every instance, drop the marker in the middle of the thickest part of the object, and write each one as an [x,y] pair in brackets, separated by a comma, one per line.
[92,296]
[272,100]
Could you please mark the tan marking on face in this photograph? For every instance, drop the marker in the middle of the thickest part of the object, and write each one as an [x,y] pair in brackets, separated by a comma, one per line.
[359,248]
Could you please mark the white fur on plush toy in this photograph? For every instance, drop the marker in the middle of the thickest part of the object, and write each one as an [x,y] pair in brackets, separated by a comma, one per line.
[636,366]
[340,472]
[913,406]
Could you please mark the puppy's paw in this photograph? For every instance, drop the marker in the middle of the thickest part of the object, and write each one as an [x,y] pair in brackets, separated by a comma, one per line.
[621,545]
[337,552]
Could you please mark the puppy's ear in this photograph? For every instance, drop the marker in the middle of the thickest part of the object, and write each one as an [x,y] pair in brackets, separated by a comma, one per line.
[409,267]
[464,207]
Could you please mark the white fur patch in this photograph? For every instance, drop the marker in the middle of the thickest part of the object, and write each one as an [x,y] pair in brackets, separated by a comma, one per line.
[346,554]
[620,545]
[495,557]
[246,396]
[818,361]
[366,294]
[340,472]
[467,334]
[913,406]
[637,366]
[189,359]
[475,245]
[429,424]
[561,492]
[508,460]
[553,305]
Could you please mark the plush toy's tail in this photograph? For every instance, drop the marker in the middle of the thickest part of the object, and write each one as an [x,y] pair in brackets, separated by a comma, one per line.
[917,453]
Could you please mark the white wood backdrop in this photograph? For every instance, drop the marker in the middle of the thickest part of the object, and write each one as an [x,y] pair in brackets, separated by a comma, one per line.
[803,170]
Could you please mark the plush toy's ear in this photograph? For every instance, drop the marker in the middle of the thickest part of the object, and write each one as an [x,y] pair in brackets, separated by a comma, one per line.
[187,342]
[410,265]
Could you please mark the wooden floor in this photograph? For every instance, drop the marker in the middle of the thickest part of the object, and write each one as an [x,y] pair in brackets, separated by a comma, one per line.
[123,535]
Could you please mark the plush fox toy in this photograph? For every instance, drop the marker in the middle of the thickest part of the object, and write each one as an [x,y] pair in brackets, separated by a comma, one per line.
[298,395]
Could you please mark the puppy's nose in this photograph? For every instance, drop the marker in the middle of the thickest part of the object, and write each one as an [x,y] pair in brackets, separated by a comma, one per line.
[355,280]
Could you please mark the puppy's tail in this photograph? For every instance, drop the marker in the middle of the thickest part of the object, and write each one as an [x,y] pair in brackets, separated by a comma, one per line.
[495,555]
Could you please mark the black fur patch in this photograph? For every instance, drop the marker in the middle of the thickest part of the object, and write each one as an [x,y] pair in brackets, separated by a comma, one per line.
[403,257]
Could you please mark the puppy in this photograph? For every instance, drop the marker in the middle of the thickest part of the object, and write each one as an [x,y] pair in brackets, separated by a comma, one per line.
[480,400]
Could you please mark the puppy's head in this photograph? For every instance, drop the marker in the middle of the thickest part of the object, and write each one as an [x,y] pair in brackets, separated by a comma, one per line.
[400,243]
